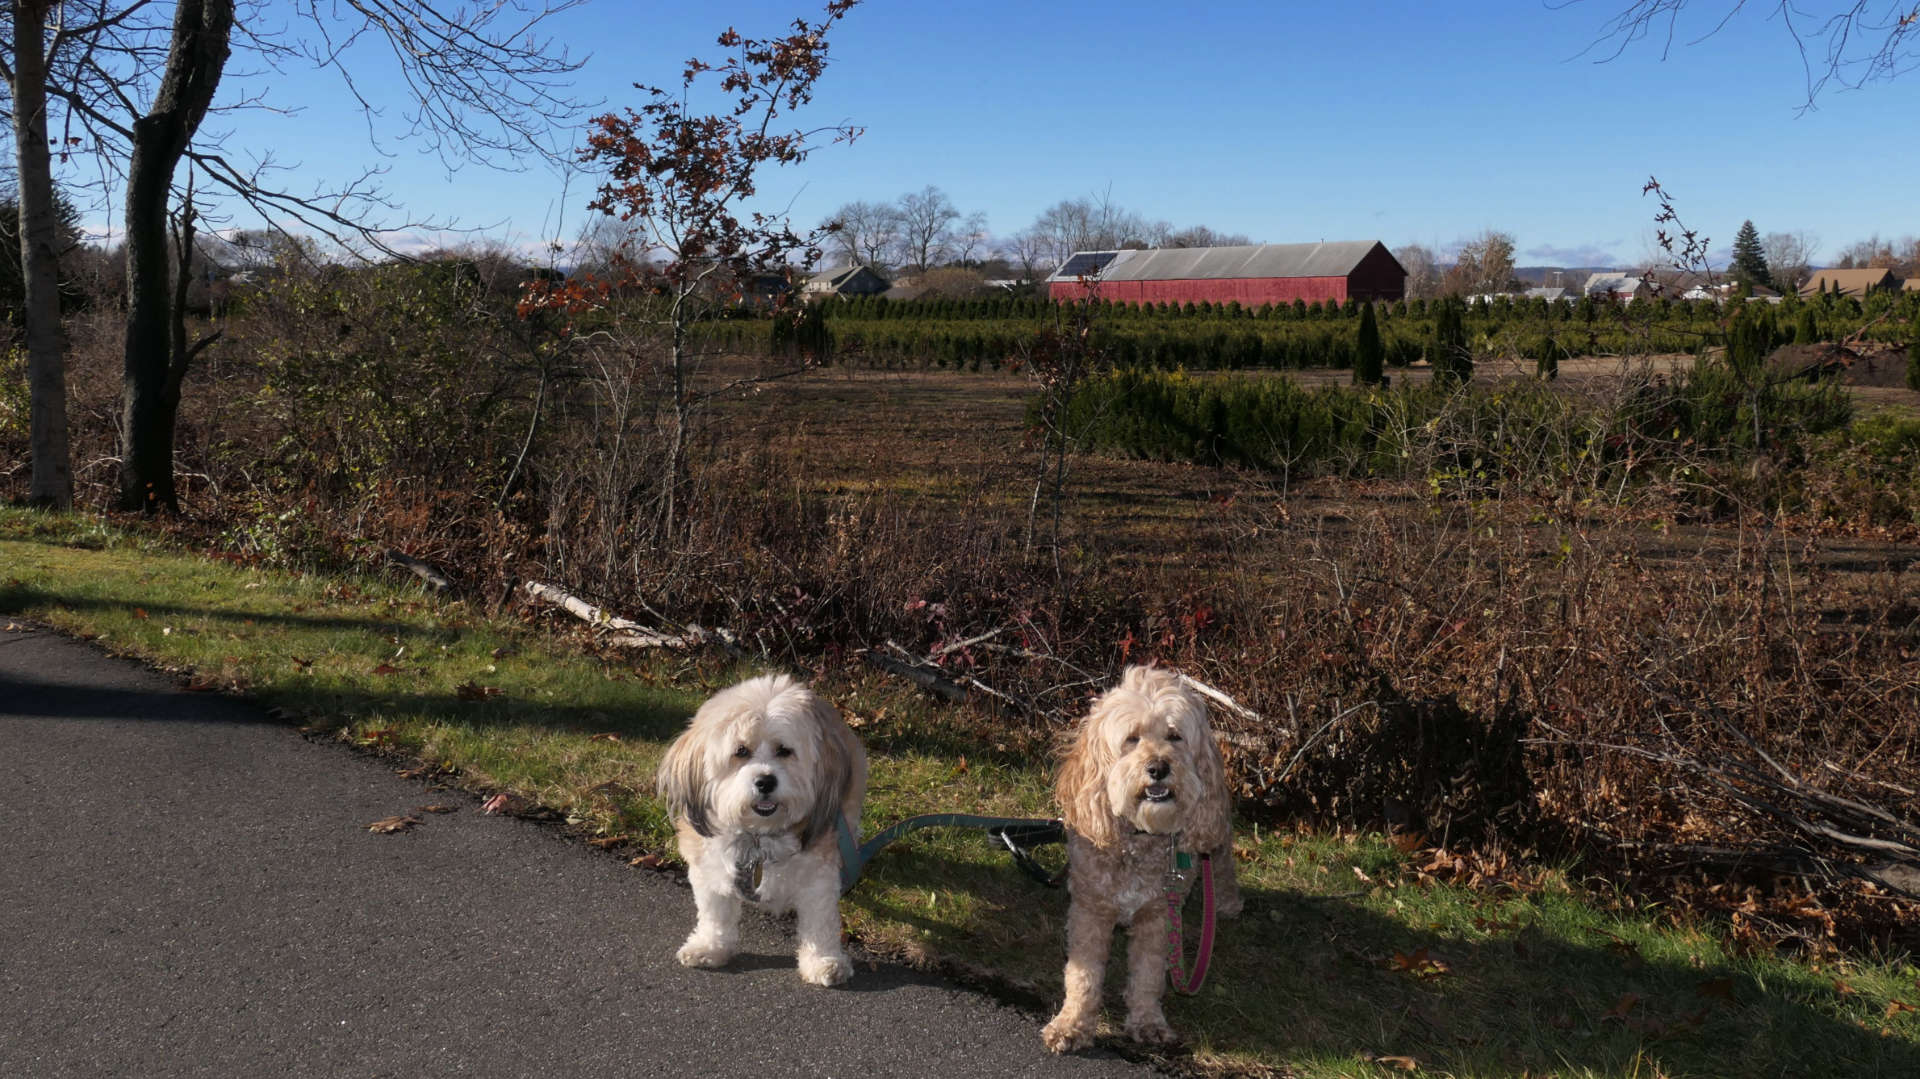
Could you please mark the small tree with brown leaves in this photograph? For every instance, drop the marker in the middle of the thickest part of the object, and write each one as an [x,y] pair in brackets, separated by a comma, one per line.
[680,180]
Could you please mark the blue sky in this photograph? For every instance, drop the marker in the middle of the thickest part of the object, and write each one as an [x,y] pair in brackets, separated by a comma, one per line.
[1405,122]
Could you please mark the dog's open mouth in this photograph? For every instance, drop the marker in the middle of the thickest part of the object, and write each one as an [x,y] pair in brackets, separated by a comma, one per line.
[766,809]
[1158,792]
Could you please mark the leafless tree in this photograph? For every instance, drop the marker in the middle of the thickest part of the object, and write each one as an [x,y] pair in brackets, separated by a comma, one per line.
[1202,236]
[969,239]
[1423,271]
[927,220]
[1092,223]
[1030,250]
[863,232]
[24,68]
[129,84]
[1789,258]
[1484,265]
[1875,253]
[1846,44]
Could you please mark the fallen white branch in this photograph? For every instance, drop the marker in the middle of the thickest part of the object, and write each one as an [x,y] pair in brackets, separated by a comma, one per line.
[623,632]
[1222,699]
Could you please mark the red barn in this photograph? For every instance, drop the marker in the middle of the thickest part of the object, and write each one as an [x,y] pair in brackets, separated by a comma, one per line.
[1252,276]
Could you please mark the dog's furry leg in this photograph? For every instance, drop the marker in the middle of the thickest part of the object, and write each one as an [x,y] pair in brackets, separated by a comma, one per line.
[1147,975]
[716,928]
[1226,884]
[823,960]
[1089,936]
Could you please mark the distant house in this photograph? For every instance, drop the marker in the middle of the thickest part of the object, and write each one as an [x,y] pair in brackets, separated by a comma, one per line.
[1723,290]
[859,280]
[1610,285]
[1251,275]
[765,289]
[1851,282]
[1912,285]
[1549,293]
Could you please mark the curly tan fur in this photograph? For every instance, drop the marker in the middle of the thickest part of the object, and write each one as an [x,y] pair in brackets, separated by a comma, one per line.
[1140,777]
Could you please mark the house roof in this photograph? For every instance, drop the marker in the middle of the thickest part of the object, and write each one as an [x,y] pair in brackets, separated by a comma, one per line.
[1612,281]
[1227,263]
[1850,281]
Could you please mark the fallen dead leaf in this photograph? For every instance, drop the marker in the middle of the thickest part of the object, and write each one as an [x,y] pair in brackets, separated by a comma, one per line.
[606,841]
[471,691]
[499,803]
[646,861]
[605,736]
[386,668]
[1621,1007]
[1360,875]
[1420,963]
[1405,1064]
[436,808]
[390,825]
[140,613]
[1895,1007]
[1717,988]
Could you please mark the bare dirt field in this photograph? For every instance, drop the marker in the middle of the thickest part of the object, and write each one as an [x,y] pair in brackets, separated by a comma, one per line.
[959,439]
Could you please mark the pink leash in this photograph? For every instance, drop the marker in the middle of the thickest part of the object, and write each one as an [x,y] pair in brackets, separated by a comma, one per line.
[1176,950]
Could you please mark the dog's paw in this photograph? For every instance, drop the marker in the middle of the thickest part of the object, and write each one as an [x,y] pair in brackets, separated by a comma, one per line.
[703,955]
[825,969]
[1064,1036]
[1150,1030]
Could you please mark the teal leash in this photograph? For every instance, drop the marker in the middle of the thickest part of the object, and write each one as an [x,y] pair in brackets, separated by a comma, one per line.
[1018,834]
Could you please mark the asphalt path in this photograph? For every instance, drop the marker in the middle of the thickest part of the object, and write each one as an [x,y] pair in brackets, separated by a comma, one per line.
[189,888]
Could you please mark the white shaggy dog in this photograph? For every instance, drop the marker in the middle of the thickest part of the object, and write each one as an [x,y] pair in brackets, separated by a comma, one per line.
[1140,778]
[758,784]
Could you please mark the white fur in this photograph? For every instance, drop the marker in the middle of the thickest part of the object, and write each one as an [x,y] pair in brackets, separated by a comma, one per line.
[761,776]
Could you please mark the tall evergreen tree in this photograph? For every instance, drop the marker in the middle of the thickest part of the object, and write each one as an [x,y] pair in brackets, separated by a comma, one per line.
[1452,356]
[1369,354]
[1750,258]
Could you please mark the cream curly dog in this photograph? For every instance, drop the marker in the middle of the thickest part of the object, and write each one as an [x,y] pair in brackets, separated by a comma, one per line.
[758,784]
[1140,775]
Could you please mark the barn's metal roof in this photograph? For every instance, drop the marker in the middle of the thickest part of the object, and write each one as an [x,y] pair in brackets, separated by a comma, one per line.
[1255,260]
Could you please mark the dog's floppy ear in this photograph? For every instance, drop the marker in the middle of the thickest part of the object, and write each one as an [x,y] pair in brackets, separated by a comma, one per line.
[682,780]
[1081,788]
[1210,826]
[832,788]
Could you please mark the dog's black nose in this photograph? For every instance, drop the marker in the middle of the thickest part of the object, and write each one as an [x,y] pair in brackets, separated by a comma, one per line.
[765,783]
[1157,770]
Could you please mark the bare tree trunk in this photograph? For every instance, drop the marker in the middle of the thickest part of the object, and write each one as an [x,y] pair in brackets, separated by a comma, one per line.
[52,479]
[201,32]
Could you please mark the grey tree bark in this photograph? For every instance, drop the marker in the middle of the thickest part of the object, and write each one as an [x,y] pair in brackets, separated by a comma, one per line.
[51,483]
[202,31]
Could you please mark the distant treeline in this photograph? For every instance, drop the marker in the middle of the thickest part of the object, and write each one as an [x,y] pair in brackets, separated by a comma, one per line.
[993,332]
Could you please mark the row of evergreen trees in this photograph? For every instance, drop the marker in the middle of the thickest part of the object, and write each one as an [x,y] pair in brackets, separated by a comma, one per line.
[1445,333]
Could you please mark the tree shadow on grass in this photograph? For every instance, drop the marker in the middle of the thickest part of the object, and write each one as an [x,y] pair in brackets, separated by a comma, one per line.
[1302,977]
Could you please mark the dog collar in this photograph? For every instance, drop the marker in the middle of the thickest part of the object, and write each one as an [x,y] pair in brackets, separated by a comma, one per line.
[750,869]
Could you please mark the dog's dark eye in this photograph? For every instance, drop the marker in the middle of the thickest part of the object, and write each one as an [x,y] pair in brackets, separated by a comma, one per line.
[1175,737]
[782,751]
[743,752]
[1132,739]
